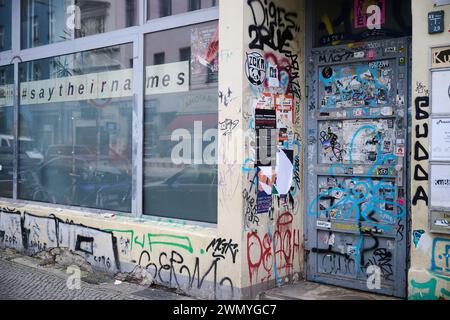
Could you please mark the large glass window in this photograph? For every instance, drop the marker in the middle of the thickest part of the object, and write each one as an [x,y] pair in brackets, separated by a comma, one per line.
[50,21]
[6,130]
[164,8]
[75,129]
[5,25]
[181,116]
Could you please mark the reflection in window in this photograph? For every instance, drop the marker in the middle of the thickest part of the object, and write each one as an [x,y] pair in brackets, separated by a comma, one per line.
[6,131]
[164,8]
[181,116]
[75,129]
[50,21]
[5,25]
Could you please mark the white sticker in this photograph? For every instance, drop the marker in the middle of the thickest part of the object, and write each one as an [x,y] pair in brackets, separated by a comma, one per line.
[359,54]
[323,224]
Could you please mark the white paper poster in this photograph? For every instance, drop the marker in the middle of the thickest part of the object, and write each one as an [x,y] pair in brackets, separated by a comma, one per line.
[441,92]
[440,141]
[440,185]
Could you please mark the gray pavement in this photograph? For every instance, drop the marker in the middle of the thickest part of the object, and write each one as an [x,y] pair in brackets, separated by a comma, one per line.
[22,278]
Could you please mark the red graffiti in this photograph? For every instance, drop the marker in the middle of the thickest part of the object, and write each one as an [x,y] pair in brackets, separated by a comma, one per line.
[275,253]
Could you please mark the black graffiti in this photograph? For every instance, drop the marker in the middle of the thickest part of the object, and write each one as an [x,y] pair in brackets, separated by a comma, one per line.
[251,215]
[420,152]
[220,247]
[170,267]
[29,234]
[334,262]
[336,57]
[272,26]
[382,258]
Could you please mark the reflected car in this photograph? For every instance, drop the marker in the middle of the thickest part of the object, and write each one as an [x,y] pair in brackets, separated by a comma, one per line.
[87,181]
[190,194]
[67,150]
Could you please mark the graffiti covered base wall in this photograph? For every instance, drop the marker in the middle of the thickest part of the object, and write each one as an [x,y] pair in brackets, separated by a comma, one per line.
[177,255]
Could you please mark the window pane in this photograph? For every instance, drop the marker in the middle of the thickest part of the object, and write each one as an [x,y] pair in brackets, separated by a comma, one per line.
[76,129]
[6,130]
[164,8]
[50,21]
[5,25]
[181,116]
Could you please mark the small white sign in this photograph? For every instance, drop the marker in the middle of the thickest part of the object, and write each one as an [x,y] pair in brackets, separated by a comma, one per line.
[440,185]
[440,141]
[441,92]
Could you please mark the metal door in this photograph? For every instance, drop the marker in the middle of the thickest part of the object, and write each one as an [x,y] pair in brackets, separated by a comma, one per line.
[356,172]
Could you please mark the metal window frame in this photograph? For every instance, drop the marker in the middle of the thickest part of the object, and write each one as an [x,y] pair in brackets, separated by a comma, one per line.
[132,35]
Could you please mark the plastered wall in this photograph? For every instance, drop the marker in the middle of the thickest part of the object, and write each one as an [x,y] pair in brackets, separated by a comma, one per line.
[429,276]
[248,251]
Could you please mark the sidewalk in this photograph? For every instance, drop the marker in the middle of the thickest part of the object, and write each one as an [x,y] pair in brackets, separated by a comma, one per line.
[305,290]
[22,278]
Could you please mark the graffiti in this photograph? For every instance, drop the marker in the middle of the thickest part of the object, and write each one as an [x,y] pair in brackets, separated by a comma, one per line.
[417,234]
[226,98]
[255,68]
[421,89]
[228,126]
[275,252]
[440,258]
[336,57]
[221,247]
[11,230]
[330,146]
[171,270]
[272,26]
[357,85]
[251,216]
[420,153]
[382,258]
[426,290]
[35,234]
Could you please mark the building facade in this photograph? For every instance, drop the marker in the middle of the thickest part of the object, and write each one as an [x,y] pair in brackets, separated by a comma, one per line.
[231,146]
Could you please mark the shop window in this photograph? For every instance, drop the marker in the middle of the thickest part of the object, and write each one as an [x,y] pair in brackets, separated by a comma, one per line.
[49,21]
[6,131]
[181,122]
[75,129]
[5,25]
[164,8]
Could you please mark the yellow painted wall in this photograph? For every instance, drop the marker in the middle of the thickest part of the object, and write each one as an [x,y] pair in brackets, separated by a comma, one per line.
[428,249]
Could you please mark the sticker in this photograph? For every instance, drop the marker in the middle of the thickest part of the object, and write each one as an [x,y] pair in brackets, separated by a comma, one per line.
[402,61]
[359,54]
[352,250]
[400,150]
[387,111]
[390,50]
[358,112]
[265,101]
[284,106]
[255,68]
[323,224]
[383,171]
[273,76]
[371,54]
[266,178]
[390,245]
[331,240]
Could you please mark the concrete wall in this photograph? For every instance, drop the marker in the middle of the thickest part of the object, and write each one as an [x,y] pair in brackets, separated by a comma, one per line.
[429,276]
[274,35]
[246,252]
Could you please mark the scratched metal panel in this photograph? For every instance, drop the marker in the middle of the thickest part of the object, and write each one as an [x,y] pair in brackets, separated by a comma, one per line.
[356,188]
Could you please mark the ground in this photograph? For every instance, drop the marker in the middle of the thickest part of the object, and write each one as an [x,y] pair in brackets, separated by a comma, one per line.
[23,278]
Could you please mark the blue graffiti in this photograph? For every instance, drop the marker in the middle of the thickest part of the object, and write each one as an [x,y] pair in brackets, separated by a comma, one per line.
[366,199]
